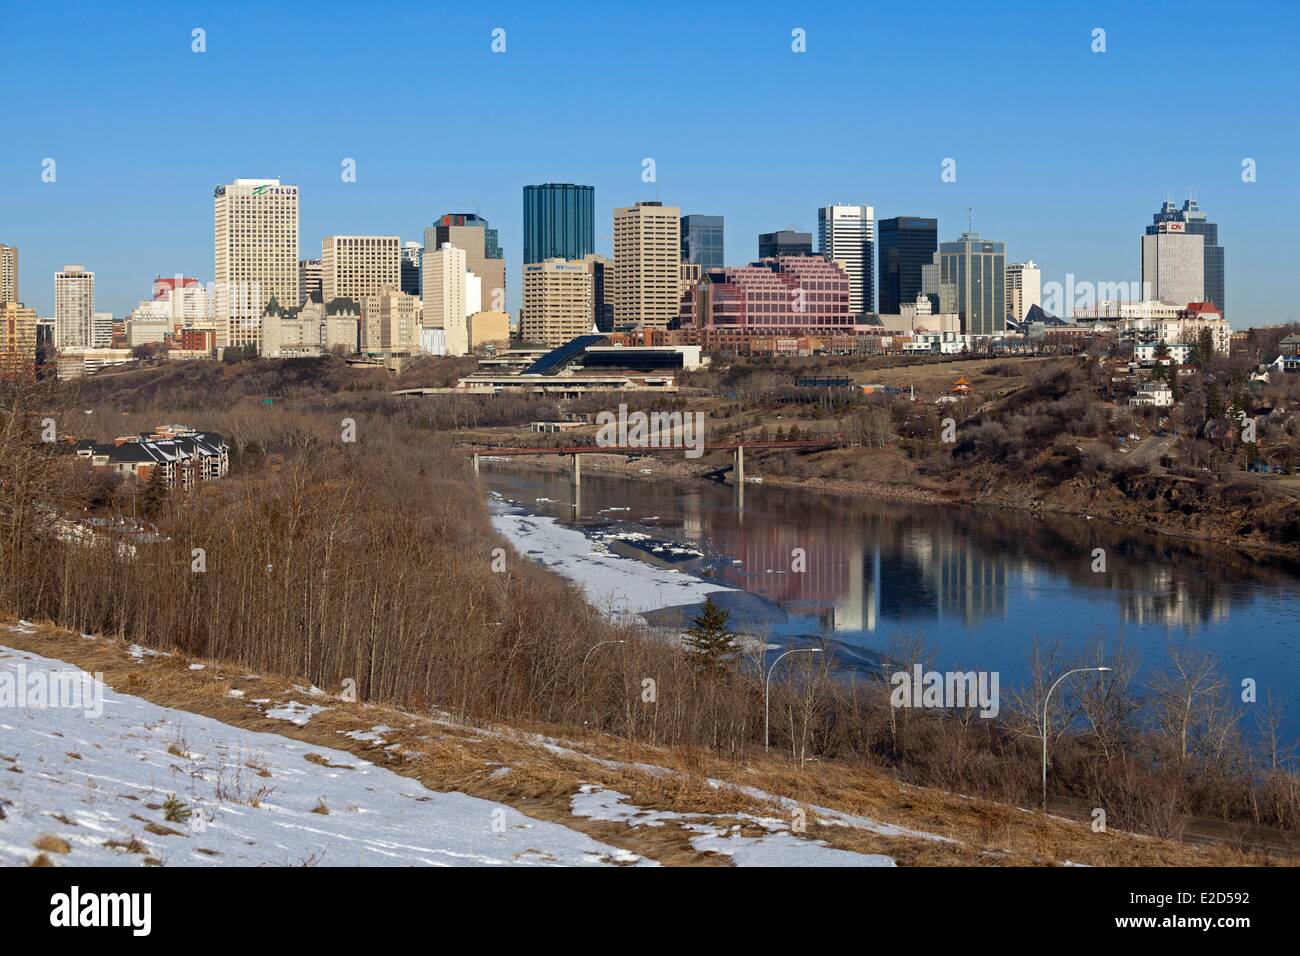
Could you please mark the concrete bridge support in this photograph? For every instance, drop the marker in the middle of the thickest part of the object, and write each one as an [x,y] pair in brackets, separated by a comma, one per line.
[738,476]
[575,483]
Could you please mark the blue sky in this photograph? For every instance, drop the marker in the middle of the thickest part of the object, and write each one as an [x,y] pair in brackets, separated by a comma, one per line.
[1061,152]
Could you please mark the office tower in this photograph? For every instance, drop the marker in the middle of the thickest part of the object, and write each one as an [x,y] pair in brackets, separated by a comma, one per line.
[256,242]
[647,265]
[788,295]
[17,339]
[483,257]
[784,242]
[399,321]
[359,267]
[1197,224]
[558,301]
[74,307]
[1173,265]
[602,291]
[559,222]
[309,280]
[702,241]
[101,330]
[968,277]
[444,284]
[906,244]
[412,253]
[1024,289]
[846,234]
[8,274]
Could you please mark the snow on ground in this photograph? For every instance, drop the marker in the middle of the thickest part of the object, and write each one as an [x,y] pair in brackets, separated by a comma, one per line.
[717,834]
[251,798]
[617,585]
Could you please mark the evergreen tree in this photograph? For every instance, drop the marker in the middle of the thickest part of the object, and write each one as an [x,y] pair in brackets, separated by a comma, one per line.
[154,495]
[710,637]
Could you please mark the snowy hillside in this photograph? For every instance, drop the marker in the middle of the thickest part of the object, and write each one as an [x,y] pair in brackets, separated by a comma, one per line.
[148,784]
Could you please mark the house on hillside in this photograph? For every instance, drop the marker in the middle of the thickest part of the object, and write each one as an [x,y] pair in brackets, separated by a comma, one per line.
[184,456]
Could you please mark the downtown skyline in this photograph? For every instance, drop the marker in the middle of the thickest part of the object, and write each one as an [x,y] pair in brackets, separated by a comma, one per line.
[135,172]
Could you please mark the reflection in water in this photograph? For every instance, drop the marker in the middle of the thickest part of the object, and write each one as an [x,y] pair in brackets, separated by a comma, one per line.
[978,585]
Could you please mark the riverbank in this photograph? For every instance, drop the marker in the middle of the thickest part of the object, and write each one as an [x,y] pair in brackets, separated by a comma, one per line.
[1171,507]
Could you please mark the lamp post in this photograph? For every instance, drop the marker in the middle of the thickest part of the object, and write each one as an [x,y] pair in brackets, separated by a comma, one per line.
[767,688]
[593,647]
[1077,670]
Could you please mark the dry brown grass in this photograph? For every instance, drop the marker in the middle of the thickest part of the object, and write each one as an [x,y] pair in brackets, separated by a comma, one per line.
[542,780]
[49,843]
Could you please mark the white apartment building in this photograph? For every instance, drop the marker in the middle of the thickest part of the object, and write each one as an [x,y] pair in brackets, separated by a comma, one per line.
[256,256]
[1024,289]
[559,302]
[1173,264]
[101,330]
[8,274]
[74,308]
[846,235]
[647,265]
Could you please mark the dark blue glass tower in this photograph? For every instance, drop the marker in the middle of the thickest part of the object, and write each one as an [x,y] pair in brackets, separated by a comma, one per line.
[559,222]
[906,243]
[702,241]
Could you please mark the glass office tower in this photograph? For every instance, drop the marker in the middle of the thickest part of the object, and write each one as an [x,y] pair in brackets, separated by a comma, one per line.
[905,243]
[559,222]
[702,241]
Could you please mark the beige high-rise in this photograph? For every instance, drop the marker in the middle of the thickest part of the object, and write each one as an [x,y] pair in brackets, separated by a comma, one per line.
[17,338]
[8,274]
[256,254]
[559,303]
[398,324]
[74,308]
[444,287]
[359,267]
[647,264]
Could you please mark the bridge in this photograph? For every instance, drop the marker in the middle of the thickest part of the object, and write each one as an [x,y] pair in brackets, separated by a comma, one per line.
[575,452]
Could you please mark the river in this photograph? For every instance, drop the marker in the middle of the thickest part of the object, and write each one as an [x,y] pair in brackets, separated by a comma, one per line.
[979,587]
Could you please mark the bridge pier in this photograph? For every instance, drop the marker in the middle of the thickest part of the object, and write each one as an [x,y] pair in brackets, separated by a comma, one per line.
[575,484]
[476,463]
[738,475]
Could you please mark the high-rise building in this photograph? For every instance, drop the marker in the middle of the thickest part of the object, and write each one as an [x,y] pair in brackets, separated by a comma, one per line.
[309,280]
[399,321]
[8,274]
[602,290]
[784,242]
[968,277]
[412,253]
[558,301]
[74,307]
[483,257]
[359,268]
[846,234]
[702,241]
[647,265]
[102,330]
[256,241]
[444,284]
[1173,264]
[17,339]
[559,222]
[1197,224]
[1024,289]
[906,244]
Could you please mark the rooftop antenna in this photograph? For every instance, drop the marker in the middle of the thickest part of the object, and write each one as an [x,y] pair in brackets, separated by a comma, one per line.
[970,219]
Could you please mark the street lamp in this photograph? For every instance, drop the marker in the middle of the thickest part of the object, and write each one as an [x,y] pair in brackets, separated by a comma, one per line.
[593,647]
[1077,670]
[767,687]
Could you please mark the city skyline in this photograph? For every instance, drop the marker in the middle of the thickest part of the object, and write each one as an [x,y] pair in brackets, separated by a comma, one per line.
[1058,196]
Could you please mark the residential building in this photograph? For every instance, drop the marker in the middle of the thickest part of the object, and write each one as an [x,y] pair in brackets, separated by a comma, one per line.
[702,241]
[1024,289]
[906,244]
[789,295]
[483,256]
[256,255]
[784,242]
[558,302]
[102,330]
[1173,264]
[846,234]
[185,457]
[8,274]
[559,222]
[74,307]
[1196,223]
[647,265]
